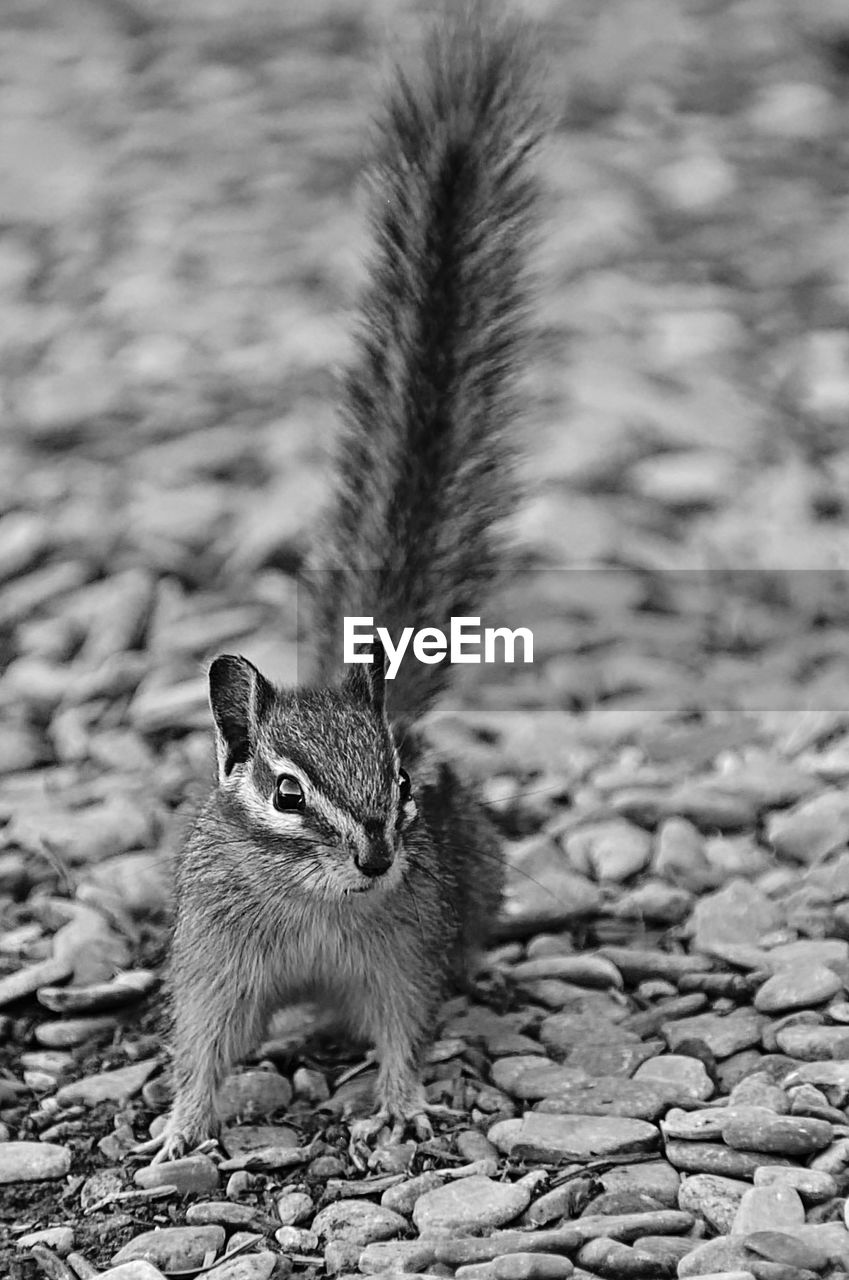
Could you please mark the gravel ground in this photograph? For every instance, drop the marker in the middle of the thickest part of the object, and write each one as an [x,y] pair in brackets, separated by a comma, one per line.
[657,1082]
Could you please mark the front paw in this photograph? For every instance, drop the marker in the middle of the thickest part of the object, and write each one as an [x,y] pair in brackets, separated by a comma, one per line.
[366,1133]
[174,1142]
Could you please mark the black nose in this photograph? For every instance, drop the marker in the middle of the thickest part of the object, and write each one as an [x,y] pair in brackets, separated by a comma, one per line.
[377,859]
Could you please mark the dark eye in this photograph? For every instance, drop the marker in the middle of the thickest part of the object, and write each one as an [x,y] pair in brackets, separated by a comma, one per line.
[405,786]
[288,793]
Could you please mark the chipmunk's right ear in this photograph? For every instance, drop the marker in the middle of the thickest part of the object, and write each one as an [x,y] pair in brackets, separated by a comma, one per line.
[238,695]
[367,682]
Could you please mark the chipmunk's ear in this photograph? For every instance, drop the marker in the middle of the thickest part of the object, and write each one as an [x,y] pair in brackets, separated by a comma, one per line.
[238,695]
[367,682]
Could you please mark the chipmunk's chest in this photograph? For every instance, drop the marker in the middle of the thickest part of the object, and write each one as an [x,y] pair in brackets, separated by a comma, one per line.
[324,954]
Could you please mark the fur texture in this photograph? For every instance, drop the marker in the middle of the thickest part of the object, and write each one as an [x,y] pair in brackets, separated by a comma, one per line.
[318,869]
[425,471]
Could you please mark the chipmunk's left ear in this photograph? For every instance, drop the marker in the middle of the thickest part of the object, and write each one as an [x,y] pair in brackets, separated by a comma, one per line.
[366,682]
[239,696]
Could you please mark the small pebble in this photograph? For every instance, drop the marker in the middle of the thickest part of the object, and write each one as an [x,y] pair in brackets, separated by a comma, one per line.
[714,1198]
[393,1256]
[223,1212]
[576,1138]
[193,1175]
[59,1239]
[296,1240]
[771,1208]
[33,1161]
[757,1129]
[252,1094]
[470,1205]
[797,988]
[532,1266]
[294,1207]
[107,1086]
[357,1222]
[173,1248]
[813,1185]
[683,1077]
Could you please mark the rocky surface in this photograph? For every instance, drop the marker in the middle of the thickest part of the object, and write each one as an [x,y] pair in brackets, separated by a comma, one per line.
[655,1081]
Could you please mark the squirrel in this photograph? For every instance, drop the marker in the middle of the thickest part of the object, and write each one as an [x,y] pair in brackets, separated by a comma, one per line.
[338,860]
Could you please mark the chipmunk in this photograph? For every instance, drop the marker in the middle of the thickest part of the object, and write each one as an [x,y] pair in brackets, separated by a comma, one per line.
[337,860]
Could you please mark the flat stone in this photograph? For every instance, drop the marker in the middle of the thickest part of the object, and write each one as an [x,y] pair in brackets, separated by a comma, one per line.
[830,1236]
[606,1096]
[830,952]
[713,1157]
[758,1090]
[98,997]
[738,913]
[402,1197]
[66,1033]
[562,1032]
[470,1205]
[779,1246]
[613,850]
[773,1208]
[107,1086]
[731,1071]
[33,1161]
[225,1212]
[813,829]
[357,1222]
[834,1160]
[557,1203]
[579,1137]
[196,1175]
[272,1160]
[582,970]
[683,1077]
[702,1125]
[459,1250]
[240,1138]
[59,1239]
[724,1256]
[253,1094]
[655,1178]
[512,1044]
[757,1129]
[532,1266]
[814,1185]
[397,1256]
[294,1207]
[638,963]
[607,1257]
[131,1271]
[723,1035]
[654,902]
[616,1058]
[680,856]
[814,1044]
[798,987]
[712,1197]
[248,1266]
[173,1248]
[530,1077]
[833,1077]
[727,1275]
[710,807]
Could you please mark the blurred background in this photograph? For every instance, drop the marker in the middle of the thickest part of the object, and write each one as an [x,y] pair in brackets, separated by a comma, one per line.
[182,238]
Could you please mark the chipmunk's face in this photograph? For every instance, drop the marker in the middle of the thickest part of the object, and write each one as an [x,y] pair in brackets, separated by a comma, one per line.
[316,775]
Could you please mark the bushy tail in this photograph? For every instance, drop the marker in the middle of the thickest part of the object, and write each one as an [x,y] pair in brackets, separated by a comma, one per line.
[425,471]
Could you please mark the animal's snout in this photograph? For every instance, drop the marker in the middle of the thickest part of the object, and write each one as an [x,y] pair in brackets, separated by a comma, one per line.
[376,858]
